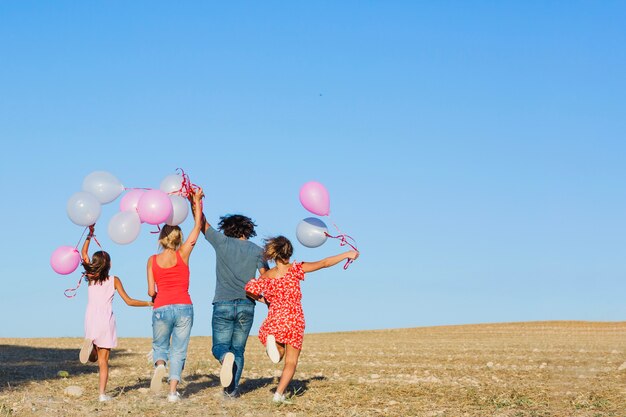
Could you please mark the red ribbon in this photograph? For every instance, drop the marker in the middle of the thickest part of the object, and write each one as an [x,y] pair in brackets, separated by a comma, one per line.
[187,188]
[343,241]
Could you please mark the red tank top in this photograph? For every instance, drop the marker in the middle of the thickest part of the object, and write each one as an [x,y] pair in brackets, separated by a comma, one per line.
[172,283]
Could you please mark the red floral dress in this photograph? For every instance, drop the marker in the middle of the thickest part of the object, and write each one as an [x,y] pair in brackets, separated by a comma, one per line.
[285,318]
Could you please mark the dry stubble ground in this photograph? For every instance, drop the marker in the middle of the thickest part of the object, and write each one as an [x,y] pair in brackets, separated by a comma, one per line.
[511,369]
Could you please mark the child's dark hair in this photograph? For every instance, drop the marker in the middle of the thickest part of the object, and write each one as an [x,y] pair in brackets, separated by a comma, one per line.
[278,249]
[237,225]
[97,271]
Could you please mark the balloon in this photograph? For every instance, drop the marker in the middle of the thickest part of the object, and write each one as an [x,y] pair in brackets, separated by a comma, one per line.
[83,208]
[311,232]
[171,184]
[65,260]
[104,185]
[124,227]
[130,200]
[180,210]
[154,207]
[314,198]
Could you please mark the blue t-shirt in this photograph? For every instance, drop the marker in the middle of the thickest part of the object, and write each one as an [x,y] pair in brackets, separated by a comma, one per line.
[236,263]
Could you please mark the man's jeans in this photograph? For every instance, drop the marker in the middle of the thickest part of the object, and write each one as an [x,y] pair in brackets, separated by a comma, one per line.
[175,321]
[232,321]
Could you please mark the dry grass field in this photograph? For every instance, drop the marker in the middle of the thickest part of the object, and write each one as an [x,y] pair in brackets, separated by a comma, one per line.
[511,369]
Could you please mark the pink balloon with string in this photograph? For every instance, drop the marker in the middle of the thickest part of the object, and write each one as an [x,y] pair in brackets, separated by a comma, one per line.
[154,207]
[314,197]
[65,260]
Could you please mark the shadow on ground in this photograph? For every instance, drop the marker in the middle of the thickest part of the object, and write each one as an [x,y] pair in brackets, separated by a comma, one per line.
[22,364]
[296,387]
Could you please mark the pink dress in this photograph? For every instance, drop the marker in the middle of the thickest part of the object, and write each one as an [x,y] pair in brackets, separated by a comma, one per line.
[285,317]
[99,318]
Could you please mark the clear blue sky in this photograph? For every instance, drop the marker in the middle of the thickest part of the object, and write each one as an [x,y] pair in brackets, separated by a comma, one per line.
[475,150]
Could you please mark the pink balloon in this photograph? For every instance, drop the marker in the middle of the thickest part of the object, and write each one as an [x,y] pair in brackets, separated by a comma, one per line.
[314,198]
[130,200]
[65,260]
[154,207]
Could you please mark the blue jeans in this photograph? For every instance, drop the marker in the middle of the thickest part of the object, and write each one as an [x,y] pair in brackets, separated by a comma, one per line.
[175,321]
[232,321]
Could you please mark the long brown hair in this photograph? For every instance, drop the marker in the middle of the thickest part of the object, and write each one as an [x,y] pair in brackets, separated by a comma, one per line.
[97,271]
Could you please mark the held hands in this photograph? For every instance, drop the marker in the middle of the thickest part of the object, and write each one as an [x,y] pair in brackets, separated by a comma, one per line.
[196,200]
[198,195]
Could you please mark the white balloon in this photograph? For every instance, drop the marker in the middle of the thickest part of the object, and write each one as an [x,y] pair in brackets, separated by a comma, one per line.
[172,183]
[180,210]
[104,185]
[311,232]
[124,227]
[83,208]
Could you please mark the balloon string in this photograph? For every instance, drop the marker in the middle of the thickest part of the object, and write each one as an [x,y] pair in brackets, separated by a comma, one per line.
[94,238]
[136,188]
[73,291]
[187,188]
[158,230]
[81,238]
[343,241]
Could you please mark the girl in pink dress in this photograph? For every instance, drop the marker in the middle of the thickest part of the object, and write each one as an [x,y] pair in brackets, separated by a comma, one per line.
[100,335]
[283,329]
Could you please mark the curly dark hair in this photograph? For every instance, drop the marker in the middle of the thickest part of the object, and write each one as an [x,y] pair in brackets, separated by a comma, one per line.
[97,270]
[237,225]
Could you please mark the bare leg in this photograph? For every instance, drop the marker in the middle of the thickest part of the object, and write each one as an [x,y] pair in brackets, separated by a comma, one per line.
[173,385]
[281,350]
[291,361]
[103,364]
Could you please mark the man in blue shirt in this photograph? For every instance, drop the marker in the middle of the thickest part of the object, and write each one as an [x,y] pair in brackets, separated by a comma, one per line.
[237,261]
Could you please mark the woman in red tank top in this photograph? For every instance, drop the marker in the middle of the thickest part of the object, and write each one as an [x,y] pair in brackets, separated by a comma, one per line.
[172,314]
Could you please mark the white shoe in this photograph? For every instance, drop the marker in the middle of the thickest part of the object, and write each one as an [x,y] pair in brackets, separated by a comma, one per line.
[226,373]
[157,378]
[104,398]
[280,399]
[271,349]
[173,397]
[85,350]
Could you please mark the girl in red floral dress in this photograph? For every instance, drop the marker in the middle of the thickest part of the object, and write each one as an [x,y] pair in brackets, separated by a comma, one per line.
[283,329]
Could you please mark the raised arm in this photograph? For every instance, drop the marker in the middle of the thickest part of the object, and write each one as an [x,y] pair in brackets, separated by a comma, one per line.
[330,261]
[205,224]
[130,301]
[192,238]
[84,252]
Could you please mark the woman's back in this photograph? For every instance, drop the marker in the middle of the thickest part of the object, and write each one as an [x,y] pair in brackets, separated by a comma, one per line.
[171,276]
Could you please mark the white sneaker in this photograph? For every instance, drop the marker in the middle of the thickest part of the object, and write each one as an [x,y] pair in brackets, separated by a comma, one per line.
[280,399]
[226,373]
[157,378]
[173,397]
[85,350]
[271,349]
[104,398]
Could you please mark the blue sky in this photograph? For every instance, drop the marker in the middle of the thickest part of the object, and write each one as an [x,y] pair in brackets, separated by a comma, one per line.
[475,150]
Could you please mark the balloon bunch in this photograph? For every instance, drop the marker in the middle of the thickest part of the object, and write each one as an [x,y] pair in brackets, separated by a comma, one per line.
[138,205]
[312,232]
